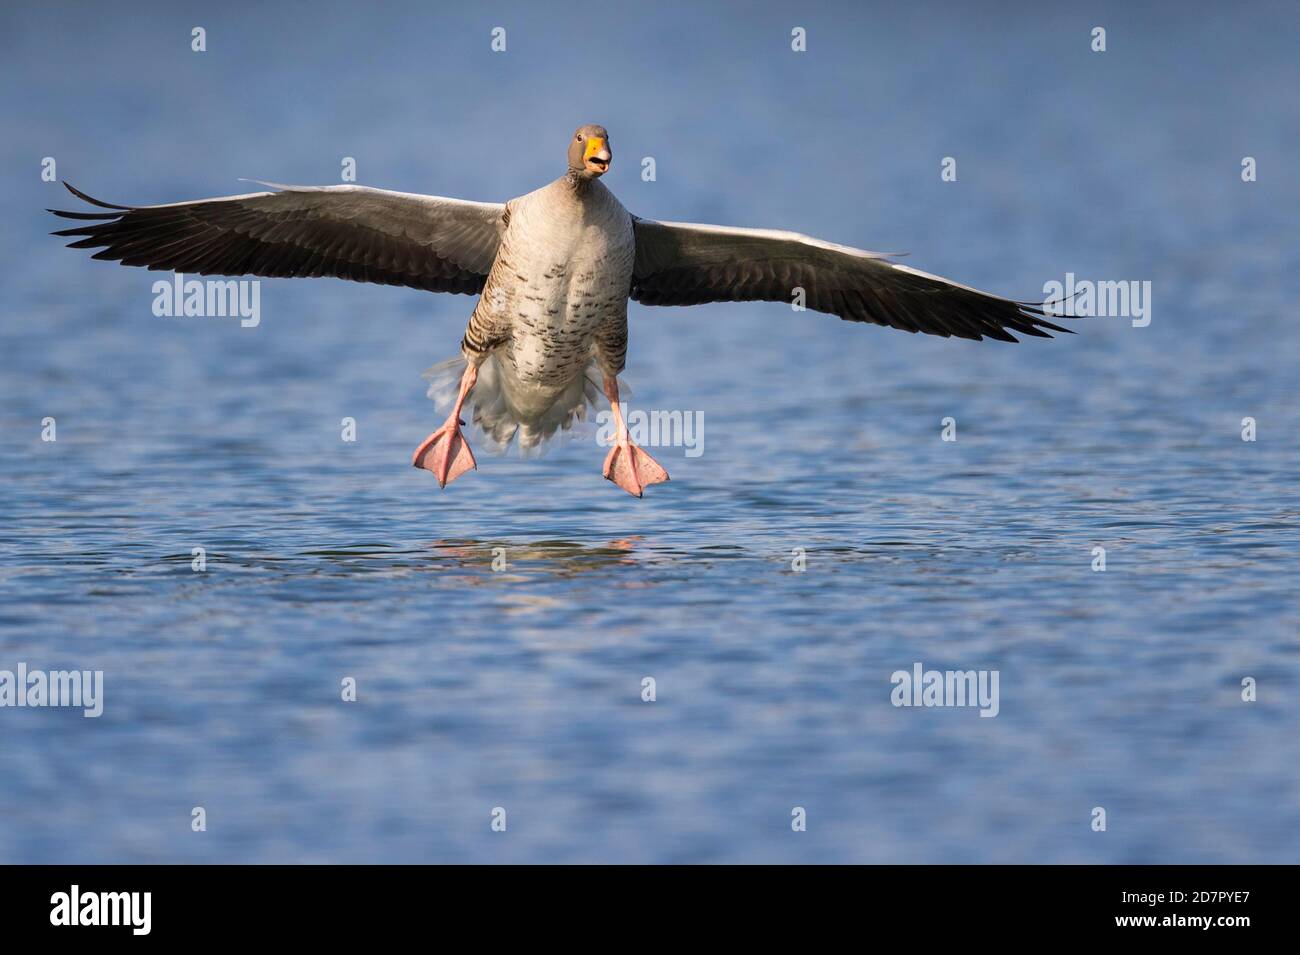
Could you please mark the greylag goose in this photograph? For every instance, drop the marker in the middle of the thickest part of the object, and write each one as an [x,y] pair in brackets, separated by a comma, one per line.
[553,269]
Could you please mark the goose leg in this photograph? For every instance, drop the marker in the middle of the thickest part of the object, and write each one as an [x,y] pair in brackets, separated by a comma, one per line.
[627,465]
[446,452]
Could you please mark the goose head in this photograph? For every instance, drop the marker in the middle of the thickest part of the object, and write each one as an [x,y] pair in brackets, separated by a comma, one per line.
[589,154]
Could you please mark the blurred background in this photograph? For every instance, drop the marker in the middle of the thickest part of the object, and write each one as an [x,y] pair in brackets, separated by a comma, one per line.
[521,689]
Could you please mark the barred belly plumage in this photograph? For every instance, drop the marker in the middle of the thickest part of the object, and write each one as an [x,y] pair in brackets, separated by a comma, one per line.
[554,303]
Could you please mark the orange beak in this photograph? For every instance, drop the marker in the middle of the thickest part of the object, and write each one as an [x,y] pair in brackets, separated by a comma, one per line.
[596,156]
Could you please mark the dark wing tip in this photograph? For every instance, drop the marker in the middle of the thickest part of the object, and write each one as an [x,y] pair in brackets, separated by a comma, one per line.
[85,215]
[1040,322]
[1035,313]
[93,201]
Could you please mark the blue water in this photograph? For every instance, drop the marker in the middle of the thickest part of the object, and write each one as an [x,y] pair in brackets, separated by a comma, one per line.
[521,689]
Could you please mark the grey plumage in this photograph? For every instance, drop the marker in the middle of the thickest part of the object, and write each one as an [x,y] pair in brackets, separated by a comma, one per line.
[555,267]
[349,232]
[680,263]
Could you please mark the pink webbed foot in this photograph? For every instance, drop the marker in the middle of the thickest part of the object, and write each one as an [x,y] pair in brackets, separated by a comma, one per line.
[446,453]
[632,469]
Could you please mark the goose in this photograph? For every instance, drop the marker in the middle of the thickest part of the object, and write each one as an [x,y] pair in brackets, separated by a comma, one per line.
[554,271]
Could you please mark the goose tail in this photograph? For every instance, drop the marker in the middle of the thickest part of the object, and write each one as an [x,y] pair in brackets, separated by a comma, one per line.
[497,418]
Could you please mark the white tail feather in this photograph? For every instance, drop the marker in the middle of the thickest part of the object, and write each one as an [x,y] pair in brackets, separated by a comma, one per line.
[497,418]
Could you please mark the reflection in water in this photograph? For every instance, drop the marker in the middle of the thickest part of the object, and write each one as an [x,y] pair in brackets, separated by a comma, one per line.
[560,558]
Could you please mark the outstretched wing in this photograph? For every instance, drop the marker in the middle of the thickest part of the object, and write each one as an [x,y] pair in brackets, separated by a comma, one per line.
[681,263]
[349,232]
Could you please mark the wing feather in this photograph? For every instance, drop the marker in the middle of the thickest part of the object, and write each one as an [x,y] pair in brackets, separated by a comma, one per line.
[350,232]
[683,263]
